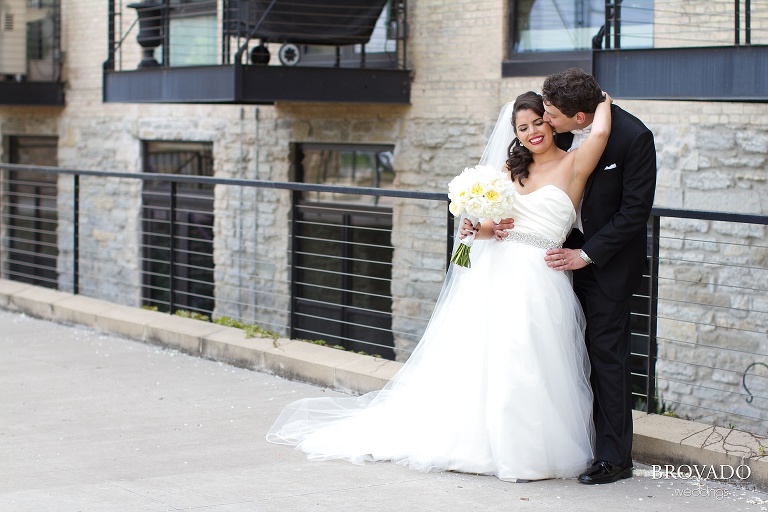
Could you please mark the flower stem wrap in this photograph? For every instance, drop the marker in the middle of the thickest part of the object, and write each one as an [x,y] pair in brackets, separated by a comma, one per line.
[461,254]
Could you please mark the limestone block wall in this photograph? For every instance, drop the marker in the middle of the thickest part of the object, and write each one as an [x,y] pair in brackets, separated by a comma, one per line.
[690,23]
[713,275]
[686,23]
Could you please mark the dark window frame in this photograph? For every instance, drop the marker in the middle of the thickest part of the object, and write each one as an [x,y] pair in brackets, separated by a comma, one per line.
[538,63]
[193,276]
[339,323]
[32,250]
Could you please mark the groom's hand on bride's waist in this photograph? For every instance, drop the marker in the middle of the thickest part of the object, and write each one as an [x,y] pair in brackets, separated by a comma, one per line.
[564,259]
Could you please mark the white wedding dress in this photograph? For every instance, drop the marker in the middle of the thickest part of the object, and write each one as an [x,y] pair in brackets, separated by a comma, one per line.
[499,383]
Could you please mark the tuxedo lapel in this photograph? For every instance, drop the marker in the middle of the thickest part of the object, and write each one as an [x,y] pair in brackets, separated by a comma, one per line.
[591,179]
[564,140]
[608,156]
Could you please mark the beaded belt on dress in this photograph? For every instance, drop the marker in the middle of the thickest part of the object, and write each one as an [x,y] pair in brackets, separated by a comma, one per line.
[531,239]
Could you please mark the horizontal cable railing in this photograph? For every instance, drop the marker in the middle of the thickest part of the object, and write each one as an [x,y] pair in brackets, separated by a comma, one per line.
[683,24]
[195,244]
[711,317]
[362,269]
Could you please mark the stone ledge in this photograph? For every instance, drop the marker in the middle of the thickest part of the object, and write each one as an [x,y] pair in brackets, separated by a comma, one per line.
[294,360]
[664,440]
[232,346]
[660,440]
[36,301]
[8,289]
[78,309]
[299,360]
[185,334]
[365,373]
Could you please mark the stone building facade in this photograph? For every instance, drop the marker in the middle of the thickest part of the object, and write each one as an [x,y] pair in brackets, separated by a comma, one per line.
[711,156]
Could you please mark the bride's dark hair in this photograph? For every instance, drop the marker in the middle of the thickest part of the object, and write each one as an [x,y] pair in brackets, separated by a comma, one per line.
[519,156]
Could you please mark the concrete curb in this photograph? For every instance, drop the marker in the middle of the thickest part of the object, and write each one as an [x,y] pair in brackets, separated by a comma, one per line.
[682,444]
[658,440]
[294,360]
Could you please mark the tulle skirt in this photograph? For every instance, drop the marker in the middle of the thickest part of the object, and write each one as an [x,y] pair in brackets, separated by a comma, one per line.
[498,385]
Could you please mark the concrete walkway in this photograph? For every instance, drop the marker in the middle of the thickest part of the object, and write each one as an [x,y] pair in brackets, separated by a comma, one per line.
[90,421]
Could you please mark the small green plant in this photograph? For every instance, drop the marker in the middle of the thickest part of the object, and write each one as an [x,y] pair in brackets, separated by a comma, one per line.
[761,451]
[664,408]
[229,322]
[192,314]
[324,343]
[731,426]
[149,308]
[251,331]
[254,331]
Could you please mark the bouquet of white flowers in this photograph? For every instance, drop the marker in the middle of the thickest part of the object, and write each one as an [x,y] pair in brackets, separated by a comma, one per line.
[480,192]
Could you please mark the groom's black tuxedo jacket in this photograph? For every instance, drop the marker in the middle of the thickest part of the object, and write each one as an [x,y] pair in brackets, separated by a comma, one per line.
[617,204]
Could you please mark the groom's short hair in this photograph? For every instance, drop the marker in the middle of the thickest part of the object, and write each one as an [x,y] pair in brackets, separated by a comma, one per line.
[572,91]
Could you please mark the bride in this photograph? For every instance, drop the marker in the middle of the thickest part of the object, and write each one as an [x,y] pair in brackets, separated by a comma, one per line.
[499,383]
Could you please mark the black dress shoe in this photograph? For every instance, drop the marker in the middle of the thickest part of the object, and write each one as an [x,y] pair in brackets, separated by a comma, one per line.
[603,472]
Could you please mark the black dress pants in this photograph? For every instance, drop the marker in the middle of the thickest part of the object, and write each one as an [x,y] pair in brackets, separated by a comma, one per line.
[608,339]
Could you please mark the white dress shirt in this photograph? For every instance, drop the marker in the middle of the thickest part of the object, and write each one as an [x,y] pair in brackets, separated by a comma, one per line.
[579,136]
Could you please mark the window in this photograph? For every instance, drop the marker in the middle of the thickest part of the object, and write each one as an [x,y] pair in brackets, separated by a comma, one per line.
[178,257]
[381,49]
[32,249]
[354,166]
[550,35]
[193,33]
[342,249]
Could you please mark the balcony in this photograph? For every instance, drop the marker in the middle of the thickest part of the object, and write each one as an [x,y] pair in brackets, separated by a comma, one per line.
[647,49]
[716,53]
[257,52]
[30,53]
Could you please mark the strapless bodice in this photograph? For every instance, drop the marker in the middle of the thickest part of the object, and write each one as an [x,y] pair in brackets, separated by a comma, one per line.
[546,212]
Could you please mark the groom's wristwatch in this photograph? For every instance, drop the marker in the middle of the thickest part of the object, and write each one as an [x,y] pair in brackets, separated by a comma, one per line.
[584,256]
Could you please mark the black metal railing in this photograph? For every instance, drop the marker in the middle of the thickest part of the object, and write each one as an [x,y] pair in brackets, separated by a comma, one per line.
[648,24]
[348,33]
[708,322]
[365,277]
[323,272]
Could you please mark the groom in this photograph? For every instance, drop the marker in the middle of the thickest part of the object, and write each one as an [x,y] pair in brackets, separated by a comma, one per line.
[607,252]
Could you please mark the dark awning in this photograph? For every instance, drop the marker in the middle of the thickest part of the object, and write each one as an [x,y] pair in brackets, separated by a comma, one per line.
[322,22]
